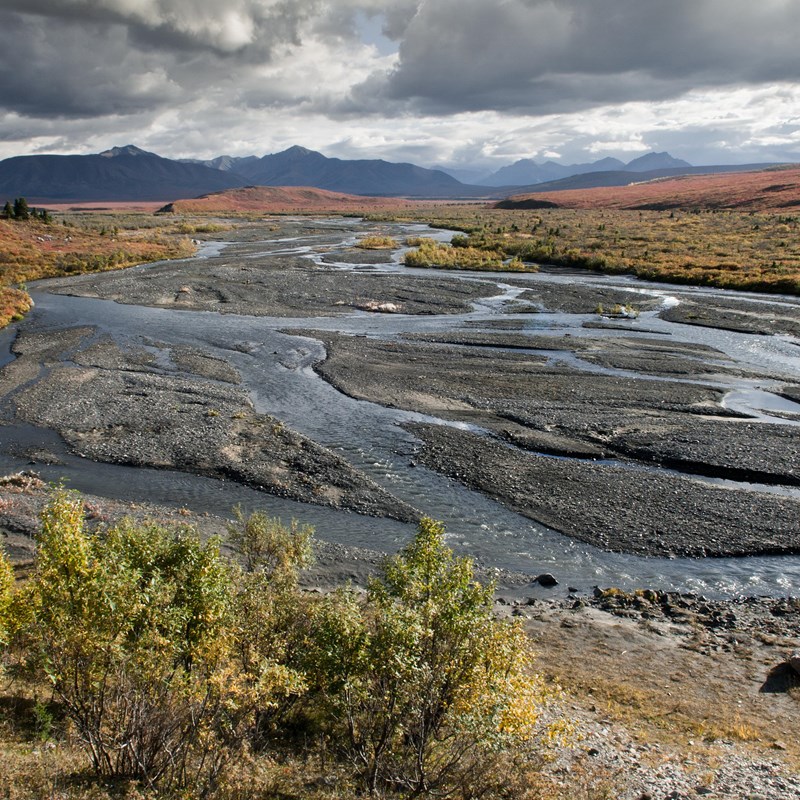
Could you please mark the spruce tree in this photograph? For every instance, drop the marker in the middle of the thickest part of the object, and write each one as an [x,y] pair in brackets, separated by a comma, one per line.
[21,210]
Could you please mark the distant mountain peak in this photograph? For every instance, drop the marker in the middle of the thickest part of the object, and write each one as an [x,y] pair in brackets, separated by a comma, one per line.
[652,161]
[125,150]
[299,166]
[298,150]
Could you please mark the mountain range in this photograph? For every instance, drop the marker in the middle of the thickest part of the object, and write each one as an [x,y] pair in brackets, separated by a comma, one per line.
[131,174]
[298,166]
[122,173]
[526,171]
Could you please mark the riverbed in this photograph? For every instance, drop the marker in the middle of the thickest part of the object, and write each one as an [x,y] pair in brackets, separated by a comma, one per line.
[604,446]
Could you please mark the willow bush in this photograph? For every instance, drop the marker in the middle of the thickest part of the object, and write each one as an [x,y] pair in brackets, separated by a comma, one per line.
[425,690]
[172,663]
[134,628]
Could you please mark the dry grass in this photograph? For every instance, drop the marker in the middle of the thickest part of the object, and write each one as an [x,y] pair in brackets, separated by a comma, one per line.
[661,688]
[733,250]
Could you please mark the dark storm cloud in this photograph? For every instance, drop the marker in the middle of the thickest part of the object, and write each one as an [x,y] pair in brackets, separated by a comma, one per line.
[74,70]
[542,56]
[203,74]
[201,25]
[105,57]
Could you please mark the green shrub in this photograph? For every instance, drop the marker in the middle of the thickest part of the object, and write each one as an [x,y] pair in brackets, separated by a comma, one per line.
[135,630]
[425,690]
[171,662]
[267,545]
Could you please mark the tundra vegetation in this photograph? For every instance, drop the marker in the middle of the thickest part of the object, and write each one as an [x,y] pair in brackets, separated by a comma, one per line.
[34,244]
[377,243]
[726,249]
[462,254]
[154,667]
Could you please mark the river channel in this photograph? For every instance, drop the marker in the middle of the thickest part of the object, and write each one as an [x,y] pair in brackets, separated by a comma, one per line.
[277,369]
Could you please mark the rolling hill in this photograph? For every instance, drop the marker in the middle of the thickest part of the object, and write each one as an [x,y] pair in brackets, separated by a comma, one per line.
[773,189]
[272,199]
[625,177]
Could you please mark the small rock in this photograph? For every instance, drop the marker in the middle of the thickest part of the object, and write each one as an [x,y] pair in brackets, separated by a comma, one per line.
[779,745]
[794,661]
[546,580]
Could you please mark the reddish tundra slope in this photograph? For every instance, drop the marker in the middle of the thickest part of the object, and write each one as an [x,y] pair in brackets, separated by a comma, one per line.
[272,199]
[774,189]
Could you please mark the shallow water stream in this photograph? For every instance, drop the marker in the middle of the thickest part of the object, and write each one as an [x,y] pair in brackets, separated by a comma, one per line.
[277,370]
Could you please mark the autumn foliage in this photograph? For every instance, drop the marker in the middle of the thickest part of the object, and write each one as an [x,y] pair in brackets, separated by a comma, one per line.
[726,249]
[33,249]
[174,666]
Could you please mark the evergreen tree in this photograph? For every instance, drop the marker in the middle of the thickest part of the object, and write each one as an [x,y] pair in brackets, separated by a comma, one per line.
[21,210]
[8,211]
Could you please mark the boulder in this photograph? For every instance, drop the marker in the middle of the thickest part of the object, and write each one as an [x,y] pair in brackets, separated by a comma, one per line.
[546,580]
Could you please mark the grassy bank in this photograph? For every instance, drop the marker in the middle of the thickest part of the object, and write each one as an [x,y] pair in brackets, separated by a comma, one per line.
[74,244]
[747,251]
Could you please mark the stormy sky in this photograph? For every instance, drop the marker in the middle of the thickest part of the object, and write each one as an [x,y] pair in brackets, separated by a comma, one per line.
[462,83]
